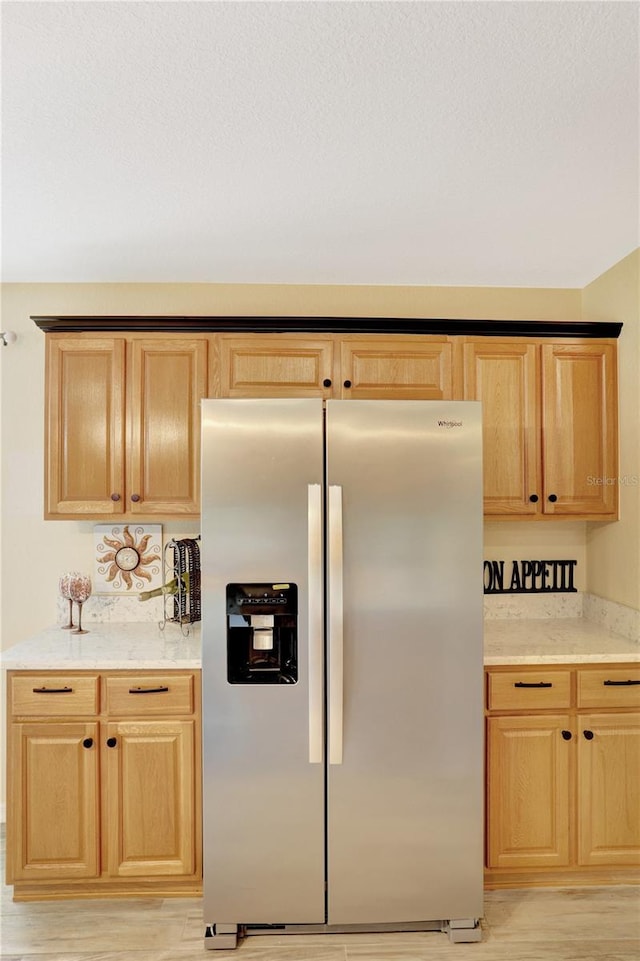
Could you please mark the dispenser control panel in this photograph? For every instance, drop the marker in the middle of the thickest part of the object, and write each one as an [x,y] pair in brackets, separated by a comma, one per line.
[262,633]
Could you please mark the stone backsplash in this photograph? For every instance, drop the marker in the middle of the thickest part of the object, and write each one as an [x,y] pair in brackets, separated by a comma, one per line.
[114,608]
[607,614]
[532,606]
[617,618]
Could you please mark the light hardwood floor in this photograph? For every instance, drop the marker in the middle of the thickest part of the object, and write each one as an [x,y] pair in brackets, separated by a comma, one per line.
[546,924]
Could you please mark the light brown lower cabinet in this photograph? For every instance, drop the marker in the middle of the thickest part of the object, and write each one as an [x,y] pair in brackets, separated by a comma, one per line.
[563,781]
[609,789]
[104,803]
[53,815]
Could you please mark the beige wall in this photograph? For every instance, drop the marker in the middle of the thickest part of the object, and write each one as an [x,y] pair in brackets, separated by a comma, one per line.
[613,550]
[34,552]
[314,300]
[544,540]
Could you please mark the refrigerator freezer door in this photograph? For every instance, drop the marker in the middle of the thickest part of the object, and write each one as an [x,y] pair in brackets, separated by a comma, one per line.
[405,805]
[263,771]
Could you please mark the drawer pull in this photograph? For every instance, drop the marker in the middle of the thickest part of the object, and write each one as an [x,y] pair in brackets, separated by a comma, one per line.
[53,690]
[148,690]
[620,683]
[533,684]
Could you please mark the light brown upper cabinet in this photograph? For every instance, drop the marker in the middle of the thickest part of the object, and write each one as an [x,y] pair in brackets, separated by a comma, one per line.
[332,365]
[123,425]
[580,429]
[167,380]
[550,426]
[272,365]
[123,410]
[395,367]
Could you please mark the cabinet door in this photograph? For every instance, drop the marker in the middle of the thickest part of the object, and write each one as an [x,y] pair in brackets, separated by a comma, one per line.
[529,763]
[166,382]
[395,368]
[149,797]
[84,426]
[272,366]
[579,429]
[53,801]
[504,377]
[609,789]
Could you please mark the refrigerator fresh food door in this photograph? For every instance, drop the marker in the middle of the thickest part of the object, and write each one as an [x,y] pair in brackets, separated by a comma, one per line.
[263,771]
[405,765]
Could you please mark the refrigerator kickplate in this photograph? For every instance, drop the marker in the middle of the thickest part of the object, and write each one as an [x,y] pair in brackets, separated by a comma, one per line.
[220,937]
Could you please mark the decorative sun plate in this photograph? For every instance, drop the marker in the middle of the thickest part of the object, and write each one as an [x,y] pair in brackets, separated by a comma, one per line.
[128,558]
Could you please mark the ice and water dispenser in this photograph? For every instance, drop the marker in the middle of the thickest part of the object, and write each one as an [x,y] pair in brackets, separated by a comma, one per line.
[262,633]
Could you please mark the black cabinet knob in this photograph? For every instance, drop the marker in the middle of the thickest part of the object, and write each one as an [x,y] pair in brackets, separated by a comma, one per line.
[347,383]
[326,382]
[111,742]
[135,498]
[553,498]
[115,497]
[588,735]
[88,742]
[534,498]
[566,735]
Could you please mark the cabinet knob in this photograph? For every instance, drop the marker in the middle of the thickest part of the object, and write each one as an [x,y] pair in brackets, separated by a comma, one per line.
[88,742]
[135,498]
[326,382]
[588,735]
[553,498]
[115,497]
[566,735]
[534,498]
[111,742]
[347,383]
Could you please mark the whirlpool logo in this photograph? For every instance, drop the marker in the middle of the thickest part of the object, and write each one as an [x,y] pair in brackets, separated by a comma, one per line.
[449,423]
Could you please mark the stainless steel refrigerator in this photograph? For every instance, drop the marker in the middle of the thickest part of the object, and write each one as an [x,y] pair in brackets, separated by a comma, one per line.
[342,666]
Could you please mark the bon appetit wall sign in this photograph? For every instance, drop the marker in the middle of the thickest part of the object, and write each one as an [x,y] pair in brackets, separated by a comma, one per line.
[529,577]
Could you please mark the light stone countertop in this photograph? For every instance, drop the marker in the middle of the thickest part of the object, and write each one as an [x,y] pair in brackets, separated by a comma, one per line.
[133,646]
[571,640]
[107,647]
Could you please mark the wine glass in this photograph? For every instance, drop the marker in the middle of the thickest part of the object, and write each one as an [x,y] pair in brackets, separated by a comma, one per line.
[64,588]
[80,591]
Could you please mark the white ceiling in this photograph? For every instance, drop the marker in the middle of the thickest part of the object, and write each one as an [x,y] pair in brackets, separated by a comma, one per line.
[463,143]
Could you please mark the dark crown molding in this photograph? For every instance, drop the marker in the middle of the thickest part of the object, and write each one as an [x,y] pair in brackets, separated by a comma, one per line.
[345,325]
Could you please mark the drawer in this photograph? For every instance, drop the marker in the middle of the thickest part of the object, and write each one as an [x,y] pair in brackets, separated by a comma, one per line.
[149,695]
[53,695]
[528,690]
[609,687]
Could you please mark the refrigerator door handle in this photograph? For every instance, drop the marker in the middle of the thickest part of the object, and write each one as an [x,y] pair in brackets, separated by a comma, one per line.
[335,625]
[315,623]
